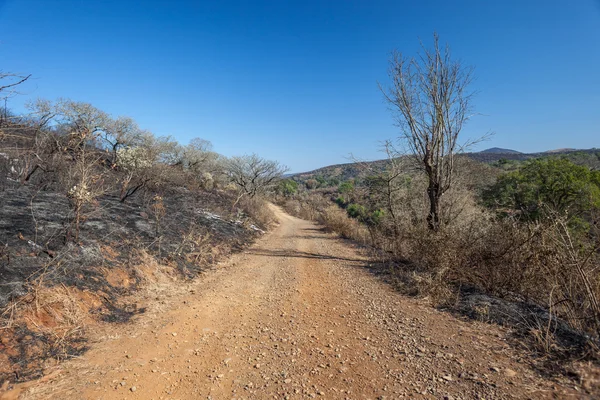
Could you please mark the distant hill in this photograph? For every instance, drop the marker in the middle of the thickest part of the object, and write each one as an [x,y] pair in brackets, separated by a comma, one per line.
[342,172]
[334,174]
[560,151]
[500,150]
[583,157]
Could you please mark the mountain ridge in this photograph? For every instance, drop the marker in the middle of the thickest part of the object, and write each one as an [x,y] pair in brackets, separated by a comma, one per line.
[345,171]
[500,150]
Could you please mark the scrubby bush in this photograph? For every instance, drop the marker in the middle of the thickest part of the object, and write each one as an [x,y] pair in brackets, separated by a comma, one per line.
[311,184]
[258,210]
[356,211]
[207,181]
[287,187]
[336,220]
[346,187]
[546,185]
[340,201]
[135,162]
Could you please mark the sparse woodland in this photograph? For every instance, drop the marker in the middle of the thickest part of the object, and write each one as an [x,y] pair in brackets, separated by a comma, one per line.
[97,213]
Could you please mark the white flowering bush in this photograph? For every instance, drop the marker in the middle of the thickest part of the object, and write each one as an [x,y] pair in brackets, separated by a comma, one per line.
[136,162]
[80,193]
[133,158]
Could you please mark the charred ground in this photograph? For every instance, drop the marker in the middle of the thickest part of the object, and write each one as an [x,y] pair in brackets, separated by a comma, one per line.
[55,287]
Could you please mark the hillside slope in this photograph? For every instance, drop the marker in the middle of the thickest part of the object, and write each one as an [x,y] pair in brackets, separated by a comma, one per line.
[84,239]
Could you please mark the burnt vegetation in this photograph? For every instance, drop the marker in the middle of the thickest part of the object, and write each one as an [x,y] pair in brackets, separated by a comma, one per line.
[94,211]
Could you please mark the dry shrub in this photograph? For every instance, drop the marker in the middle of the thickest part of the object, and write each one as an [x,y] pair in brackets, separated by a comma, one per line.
[434,286]
[541,263]
[294,207]
[258,210]
[47,322]
[196,247]
[336,220]
[147,268]
[306,206]
[156,278]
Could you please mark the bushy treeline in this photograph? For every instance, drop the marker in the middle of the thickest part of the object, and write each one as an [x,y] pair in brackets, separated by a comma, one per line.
[529,235]
[85,153]
[56,133]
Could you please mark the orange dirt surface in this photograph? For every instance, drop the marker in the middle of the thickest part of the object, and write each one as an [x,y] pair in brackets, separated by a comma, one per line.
[297,316]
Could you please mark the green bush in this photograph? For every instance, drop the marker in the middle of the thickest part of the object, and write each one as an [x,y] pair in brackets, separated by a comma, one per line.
[546,185]
[287,187]
[375,217]
[356,211]
[346,187]
[340,201]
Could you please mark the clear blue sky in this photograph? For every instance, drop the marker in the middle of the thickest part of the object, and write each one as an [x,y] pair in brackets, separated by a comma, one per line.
[296,81]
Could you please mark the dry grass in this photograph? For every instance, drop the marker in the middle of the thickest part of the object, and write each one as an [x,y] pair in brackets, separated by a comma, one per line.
[53,321]
[336,220]
[258,210]
[49,322]
[539,263]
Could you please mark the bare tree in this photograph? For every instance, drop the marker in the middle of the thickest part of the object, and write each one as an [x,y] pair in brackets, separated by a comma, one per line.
[8,83]
[431,99]
[168,150]
[9,80]
[252,174]
[197,155]
[39,148]
[82,126]
[383,187]
[84,123]
[121,133]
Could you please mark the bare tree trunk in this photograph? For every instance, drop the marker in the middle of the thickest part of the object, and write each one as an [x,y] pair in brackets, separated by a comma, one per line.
[125,194]
[433,218]
[237,200]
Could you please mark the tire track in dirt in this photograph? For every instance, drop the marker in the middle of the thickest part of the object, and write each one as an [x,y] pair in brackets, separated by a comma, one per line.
[298,316]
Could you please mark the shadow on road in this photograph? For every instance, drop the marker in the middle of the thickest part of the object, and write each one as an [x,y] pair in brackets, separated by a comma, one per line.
[299,254]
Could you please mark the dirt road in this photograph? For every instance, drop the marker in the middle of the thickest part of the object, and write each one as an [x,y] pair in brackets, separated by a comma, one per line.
[296,316]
